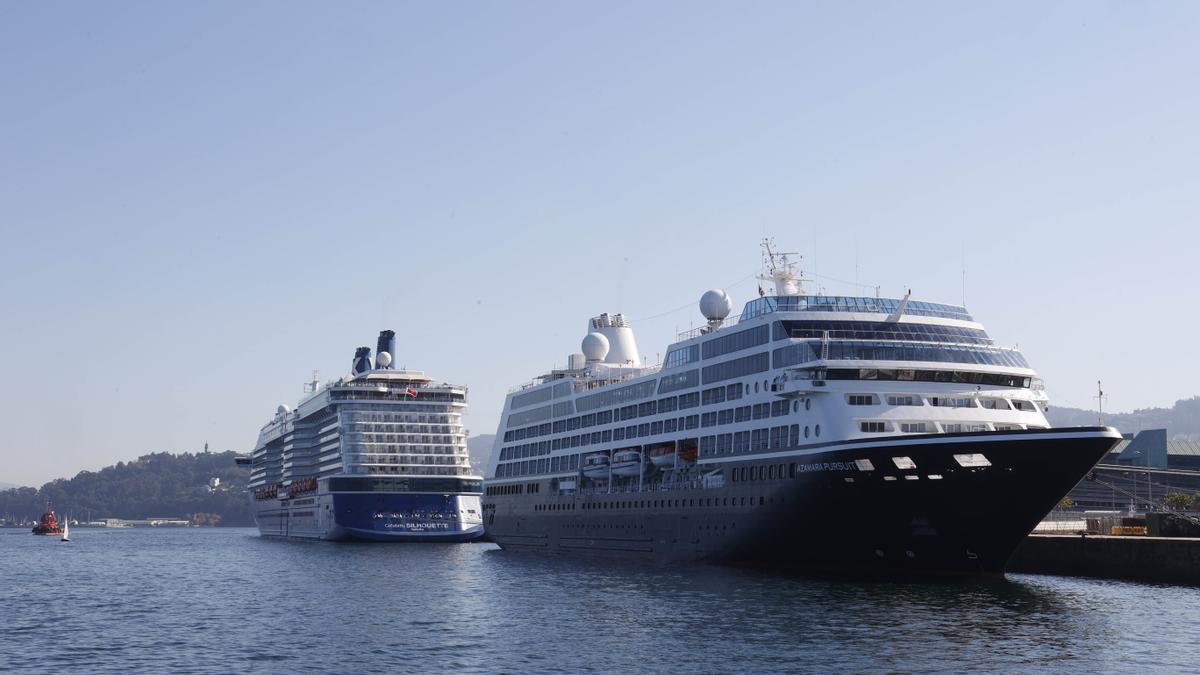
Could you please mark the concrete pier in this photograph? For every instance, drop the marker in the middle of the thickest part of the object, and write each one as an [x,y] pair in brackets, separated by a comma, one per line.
[1157,559]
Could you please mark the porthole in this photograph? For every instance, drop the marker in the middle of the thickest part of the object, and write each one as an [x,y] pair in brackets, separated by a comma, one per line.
[795,406]
[806,431]
[817,431]
[756,387]
[808,404]
[771,472]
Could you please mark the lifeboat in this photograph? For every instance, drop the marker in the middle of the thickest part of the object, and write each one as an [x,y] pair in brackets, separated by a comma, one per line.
[48,523]
[663,456]
[627,463]
[596,466]
[688,450]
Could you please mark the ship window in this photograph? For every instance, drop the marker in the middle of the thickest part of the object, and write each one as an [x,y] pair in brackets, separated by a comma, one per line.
[860,399]
[808,404]
[913,427]
[972,460]
[904,463]
[872,427]
[817,431]
[806,431]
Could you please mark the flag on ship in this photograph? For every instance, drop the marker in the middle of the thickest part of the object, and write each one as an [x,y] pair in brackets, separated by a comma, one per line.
[410,392]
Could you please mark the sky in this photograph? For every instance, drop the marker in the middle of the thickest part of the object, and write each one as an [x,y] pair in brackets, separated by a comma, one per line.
[201,203]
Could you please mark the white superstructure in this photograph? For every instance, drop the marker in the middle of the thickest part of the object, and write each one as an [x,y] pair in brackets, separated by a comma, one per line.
[378,454]
[790,370]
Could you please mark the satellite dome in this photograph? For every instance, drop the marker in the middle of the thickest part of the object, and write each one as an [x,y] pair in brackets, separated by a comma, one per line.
[715,305]
[594,347]
[282,409]
[383,360]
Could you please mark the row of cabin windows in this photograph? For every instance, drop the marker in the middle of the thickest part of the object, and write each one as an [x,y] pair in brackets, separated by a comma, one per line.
[944,402]
[763,472]
[766,438]
[676,503]
[757,411]
[513,489]
[710,396]
[745,413]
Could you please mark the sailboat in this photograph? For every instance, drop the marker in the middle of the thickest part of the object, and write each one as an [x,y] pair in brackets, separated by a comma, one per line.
[66,531]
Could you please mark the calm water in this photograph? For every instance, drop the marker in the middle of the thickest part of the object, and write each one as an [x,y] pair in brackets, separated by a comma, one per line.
[224,600]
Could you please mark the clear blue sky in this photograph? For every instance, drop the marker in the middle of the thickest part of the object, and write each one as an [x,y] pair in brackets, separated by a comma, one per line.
[202,202]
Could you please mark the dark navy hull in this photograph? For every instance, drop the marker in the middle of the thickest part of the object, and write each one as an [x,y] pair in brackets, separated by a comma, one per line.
[826,508]
[372,516]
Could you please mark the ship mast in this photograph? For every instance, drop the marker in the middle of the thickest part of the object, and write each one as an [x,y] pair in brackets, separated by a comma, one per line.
[781,271]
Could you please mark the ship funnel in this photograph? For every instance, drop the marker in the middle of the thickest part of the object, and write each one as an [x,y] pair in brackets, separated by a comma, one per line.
[386,343]
[622,347]
[362,360]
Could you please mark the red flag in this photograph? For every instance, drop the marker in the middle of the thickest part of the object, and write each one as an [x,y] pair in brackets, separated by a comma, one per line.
[410,392]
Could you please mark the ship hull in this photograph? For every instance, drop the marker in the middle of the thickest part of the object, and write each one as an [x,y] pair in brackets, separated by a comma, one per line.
[841,507]
[374,516]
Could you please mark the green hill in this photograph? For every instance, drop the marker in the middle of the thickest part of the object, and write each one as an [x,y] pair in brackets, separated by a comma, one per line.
[1181,420]
[155,485]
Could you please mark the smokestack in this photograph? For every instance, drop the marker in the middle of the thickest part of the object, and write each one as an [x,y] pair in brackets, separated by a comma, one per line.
[386,343]
[362,360]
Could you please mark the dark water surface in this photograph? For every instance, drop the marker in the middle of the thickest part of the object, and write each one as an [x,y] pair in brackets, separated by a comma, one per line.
[225,600]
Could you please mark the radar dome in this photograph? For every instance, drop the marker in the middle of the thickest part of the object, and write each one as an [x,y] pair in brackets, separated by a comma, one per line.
[282,409]
[715,305]
[383,360]
[594,347]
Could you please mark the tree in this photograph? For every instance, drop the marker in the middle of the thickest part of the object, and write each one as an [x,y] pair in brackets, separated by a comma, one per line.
[1178,501]
[1065,503]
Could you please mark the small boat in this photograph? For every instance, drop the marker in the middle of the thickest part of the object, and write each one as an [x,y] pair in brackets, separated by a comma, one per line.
[66,532]
[596,466]
[48,523]
[627,463]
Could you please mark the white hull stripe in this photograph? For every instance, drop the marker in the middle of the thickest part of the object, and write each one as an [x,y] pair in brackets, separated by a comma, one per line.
[888,441]
[928,440]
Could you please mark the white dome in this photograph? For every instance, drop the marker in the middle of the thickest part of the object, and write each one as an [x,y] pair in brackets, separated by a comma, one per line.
[383,360]
[594,347]
[282,409]
[715,305]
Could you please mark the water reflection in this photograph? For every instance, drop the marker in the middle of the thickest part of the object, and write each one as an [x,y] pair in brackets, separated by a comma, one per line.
[222,600]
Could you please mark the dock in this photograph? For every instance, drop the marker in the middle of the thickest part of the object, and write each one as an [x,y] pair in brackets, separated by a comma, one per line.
[1153,559]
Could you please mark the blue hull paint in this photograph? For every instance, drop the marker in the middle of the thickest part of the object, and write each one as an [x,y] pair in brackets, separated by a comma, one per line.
[374,516]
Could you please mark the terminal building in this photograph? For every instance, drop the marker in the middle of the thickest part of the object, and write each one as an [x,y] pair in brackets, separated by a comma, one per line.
[1139,472]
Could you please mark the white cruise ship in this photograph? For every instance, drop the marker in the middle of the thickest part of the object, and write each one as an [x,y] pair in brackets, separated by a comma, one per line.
[378,455]
[810,430]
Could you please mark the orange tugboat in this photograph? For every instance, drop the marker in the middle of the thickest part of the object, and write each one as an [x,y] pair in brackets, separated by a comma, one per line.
[48,524]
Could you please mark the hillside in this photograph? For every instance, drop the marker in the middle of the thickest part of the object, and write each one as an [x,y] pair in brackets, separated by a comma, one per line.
[1181,420]
[480,449]
[155,485]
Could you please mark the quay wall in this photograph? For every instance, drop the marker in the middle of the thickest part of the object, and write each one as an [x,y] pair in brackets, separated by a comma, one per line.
[1157,559]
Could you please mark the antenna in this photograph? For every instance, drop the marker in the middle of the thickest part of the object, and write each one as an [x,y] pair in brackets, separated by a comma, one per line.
[311,385]
[964,274]
[1100,400]
[780,270]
